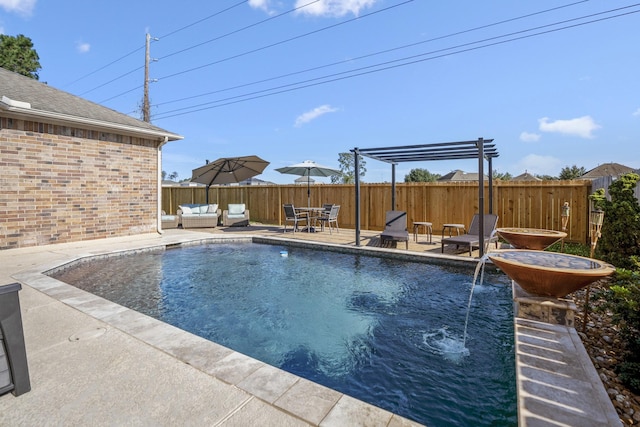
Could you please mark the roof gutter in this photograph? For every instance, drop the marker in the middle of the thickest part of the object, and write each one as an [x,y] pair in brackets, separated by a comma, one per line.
[65,118]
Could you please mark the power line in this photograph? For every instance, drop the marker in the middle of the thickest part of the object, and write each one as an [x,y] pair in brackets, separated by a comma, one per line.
[373,54]
[199,44]
[204,19]
[143,46]
[113,80]
[366,70]
[105,66]
[255,24]
[285,41]
[120,94]
[267,46]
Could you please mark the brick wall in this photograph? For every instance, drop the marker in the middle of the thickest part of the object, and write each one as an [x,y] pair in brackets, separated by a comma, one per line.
[58,188]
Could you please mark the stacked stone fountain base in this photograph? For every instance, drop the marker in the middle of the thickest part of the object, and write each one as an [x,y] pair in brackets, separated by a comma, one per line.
[557,311]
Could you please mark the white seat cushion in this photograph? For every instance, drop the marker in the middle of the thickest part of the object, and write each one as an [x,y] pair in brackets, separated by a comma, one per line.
[236,210]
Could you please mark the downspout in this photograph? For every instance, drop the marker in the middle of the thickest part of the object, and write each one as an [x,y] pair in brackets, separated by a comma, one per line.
[159,180]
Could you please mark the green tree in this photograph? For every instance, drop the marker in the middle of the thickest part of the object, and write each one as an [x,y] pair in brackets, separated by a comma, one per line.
[546,177]
[421,175]
[172,176]
[573,172]
[504,176]
[347,169]
[18,55]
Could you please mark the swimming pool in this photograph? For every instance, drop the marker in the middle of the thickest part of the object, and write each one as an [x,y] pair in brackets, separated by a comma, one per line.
[378,329]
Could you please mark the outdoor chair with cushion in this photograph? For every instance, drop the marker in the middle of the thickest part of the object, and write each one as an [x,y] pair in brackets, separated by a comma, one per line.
[169,221]
[395,228]
[330,217]
[235,216]
[472,237]
[290,215]
[326,208]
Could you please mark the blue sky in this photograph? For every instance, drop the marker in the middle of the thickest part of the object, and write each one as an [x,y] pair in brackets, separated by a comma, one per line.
[290,80]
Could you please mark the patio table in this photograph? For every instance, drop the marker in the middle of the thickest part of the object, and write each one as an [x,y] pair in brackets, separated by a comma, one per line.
[450,227]
[428,230]
[310,215]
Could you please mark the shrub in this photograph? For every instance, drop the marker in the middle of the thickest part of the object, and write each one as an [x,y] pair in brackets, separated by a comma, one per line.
[622,299]
[620,246]
[620,240]
[570,248]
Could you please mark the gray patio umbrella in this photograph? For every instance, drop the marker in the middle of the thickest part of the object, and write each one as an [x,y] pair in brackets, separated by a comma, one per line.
[309,168]
[228,170]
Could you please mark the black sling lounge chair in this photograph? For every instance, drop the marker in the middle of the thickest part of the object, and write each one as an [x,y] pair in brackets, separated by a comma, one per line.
[472,237]
[395,228]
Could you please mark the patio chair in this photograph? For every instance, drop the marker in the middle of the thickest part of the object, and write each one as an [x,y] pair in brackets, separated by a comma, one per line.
[235,215]
[169,221]
[472,237]
[330,217]
[395,228]
[290,215]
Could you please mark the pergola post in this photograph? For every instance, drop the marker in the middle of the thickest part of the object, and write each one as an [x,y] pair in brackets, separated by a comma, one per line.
[474,149]
[393,186]
[489,160]
[356,169]
[480,145]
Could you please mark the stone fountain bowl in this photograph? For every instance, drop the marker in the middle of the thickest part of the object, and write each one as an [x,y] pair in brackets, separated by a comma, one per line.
[530,238]
[549,273]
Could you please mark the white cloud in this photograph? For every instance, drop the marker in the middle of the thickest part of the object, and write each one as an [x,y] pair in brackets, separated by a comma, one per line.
[582,126]
[334,7]
[539,165]
[637,112]
[262,5]
[22,7]
[314,114]
[529,137]
[82,47]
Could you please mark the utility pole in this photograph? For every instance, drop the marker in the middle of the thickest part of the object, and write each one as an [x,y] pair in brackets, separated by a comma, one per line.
[146,108]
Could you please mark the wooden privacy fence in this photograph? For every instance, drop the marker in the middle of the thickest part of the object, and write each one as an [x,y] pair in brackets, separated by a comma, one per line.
[517,203]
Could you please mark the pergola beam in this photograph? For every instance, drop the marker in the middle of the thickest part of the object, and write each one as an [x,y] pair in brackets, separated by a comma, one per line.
[480,149]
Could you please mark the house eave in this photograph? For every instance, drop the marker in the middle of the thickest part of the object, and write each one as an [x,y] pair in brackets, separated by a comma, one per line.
[67,120]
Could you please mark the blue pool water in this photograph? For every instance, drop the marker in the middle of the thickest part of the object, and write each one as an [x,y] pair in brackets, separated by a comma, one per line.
[384,331]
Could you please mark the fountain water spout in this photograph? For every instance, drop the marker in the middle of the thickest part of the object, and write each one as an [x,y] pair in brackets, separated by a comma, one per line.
[479,271]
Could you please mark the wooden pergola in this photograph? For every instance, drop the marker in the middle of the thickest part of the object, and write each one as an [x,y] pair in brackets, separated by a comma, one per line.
[480,149]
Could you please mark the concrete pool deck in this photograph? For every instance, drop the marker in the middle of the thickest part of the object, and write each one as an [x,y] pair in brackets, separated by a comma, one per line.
[94,362]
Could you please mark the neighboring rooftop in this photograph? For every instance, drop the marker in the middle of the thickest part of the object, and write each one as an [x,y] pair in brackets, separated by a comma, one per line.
[526,176]
[458,175]
[305,180]
[607,169]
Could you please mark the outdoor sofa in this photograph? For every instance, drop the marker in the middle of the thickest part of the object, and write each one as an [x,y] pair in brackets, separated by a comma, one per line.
[235,215]
[198,215]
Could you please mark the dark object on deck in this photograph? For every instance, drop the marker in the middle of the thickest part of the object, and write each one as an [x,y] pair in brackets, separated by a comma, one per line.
[14,371]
